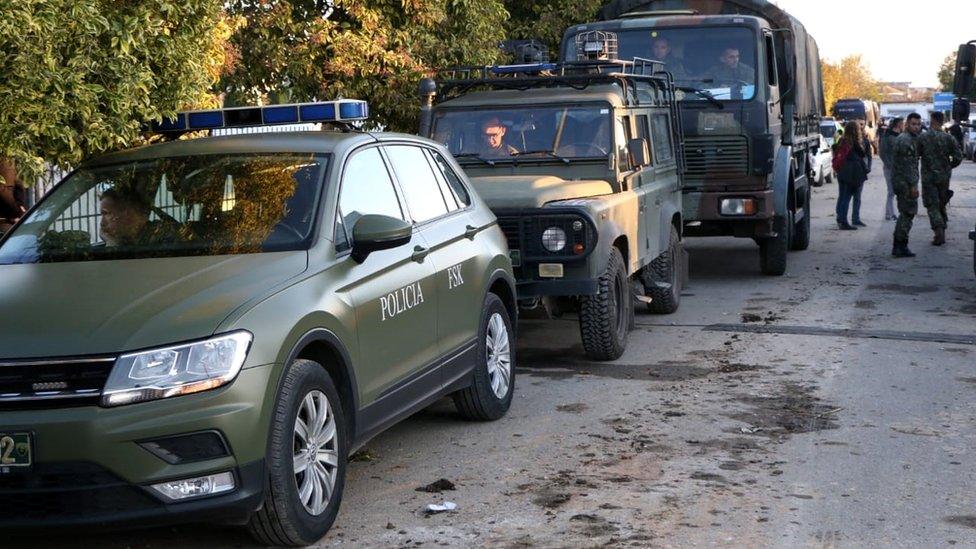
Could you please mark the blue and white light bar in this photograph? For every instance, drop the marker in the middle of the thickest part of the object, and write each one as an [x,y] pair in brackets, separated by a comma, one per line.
[342,110]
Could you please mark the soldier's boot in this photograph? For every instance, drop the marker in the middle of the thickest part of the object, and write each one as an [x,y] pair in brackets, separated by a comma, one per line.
[900,249]
[939,237]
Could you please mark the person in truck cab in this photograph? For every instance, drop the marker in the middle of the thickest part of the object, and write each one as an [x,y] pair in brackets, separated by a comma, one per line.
[662,52]
[730,70]
[494,145]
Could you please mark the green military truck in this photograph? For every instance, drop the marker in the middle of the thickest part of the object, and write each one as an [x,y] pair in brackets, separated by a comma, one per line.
[751,100]
[582,165]
[203,330]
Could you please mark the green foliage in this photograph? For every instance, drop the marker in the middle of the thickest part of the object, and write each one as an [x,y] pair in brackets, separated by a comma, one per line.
[79,76]
[947,72]
[300,50]
[546,20]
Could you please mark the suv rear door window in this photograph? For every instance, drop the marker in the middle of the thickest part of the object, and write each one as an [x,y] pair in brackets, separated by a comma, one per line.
[418,182]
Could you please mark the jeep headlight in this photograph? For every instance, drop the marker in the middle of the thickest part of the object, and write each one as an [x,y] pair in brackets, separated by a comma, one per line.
[176,370]
[554,239]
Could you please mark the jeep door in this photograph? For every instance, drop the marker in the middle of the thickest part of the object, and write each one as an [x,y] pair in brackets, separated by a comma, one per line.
[393,291]
[439,204]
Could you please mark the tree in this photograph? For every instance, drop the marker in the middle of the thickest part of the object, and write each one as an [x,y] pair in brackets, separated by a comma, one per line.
[546,20]
[851,77]
[302,50]
[80,76]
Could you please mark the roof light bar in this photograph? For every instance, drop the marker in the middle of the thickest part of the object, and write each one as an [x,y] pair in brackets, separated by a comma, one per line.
[342,110]
[525,67]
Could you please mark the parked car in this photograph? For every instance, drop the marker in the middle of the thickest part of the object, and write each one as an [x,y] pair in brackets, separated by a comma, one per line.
[823,169]
[203,330]
[969,143]
[829,129]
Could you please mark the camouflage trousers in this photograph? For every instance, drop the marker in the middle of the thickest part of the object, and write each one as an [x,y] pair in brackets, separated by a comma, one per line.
[935,198]
[907,209]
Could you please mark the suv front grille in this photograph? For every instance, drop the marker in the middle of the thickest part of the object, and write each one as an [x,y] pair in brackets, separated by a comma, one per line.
[54,383]
[712,157]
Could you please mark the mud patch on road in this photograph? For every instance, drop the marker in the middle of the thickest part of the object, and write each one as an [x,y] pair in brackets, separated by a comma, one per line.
[575,408]
[591,525]
[565,368]
[549,498]
[793,410]
[969,521]
[866,304]
[904,289]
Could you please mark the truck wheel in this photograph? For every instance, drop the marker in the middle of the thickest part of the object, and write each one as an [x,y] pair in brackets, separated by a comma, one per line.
[306,461]
[493,380]
[801,230]
[666,268]
[772,251]
[605,318]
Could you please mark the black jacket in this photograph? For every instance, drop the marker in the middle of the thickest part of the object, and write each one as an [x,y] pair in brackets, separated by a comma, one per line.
[856,167]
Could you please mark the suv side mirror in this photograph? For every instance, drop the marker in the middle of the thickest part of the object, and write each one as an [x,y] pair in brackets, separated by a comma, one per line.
[378,232]
[640,152]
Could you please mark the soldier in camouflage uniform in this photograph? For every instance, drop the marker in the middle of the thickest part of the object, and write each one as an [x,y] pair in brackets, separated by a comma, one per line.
[904,175]
[940,153]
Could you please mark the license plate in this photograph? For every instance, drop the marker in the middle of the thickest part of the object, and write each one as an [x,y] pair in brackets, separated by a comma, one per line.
[15,451]
[516,257]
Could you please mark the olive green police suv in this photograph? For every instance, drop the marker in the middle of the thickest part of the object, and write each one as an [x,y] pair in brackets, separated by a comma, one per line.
[204,329]
[581,162]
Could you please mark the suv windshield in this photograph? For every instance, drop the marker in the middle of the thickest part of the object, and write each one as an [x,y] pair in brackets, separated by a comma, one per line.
[720,62]
[192,205]
[511,133]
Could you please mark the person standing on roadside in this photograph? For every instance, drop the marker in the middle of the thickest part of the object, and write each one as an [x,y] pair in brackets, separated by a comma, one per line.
[13,196]
[851,163]
[939,153]
[887,144]
[904,177]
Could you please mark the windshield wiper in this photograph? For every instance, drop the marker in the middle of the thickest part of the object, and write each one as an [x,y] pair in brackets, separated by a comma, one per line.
[475,155]
[548,153]
[704,93]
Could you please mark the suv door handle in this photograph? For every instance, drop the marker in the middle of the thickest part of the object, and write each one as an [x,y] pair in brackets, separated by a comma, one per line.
[419,253]
[470,232]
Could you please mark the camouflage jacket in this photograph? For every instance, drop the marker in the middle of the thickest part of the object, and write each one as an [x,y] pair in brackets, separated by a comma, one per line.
[904,157]
[939,153]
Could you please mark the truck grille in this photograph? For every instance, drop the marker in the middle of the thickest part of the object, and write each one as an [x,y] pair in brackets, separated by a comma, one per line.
[33,384]
[712,157]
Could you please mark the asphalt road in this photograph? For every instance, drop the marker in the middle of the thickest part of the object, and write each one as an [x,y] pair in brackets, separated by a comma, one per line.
[830,407]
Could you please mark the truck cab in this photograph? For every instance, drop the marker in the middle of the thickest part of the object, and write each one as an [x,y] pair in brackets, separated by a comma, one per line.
[582,166]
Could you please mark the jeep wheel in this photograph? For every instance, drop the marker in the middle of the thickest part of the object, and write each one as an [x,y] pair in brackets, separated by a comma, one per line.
[493,380]
[801,230]
[772,251]
[605,318]
[306,462]
[662,280]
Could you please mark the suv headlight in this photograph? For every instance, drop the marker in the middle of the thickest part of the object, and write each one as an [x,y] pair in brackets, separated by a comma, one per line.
[554,239]
[176,370]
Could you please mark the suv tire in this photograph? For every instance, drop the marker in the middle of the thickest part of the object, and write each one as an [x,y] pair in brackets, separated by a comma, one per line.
[493,382]
[666,267]
[605,318]
[284,518]
[772,251]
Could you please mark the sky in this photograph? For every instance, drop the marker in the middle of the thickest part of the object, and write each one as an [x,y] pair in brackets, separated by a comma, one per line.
[895,37]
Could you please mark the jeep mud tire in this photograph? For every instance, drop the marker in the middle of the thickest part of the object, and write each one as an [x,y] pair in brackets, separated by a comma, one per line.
[605,318]
[772,251]
[665,268]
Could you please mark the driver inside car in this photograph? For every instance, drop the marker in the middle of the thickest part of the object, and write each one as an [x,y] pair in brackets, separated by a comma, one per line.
[124,218]
[493,139]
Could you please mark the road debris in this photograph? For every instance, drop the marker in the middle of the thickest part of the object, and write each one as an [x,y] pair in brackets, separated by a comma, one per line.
[435,508]
[440,485]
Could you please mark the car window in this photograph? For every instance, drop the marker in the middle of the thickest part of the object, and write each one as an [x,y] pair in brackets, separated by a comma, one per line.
[623,153]
[174,206]
[367,189]
[644,132]
[661,134]
[454,183]
[418,182]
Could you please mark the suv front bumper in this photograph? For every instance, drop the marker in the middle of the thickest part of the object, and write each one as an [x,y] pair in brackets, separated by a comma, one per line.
[92,467]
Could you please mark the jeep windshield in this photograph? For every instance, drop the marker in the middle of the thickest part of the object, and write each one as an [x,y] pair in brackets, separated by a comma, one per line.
[710,63]
[176,206]
[525,132]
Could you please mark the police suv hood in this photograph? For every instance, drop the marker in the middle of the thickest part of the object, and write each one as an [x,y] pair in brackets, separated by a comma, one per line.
[534,191]
[107,307]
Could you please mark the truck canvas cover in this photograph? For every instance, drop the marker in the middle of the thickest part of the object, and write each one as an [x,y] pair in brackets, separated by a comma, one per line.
[806,93]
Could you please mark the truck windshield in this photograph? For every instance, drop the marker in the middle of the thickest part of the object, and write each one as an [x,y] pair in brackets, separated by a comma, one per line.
[719,61]
[520,132]
[177,206]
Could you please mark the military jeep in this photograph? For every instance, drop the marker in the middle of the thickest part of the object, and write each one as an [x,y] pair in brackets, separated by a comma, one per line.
[581,163]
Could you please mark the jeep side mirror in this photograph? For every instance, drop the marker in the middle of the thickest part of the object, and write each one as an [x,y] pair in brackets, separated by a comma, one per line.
[640,152]
[965,70]
[378,232]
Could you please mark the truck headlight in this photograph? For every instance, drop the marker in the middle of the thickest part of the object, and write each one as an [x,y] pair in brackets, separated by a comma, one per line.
[554,239]
[176,370]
